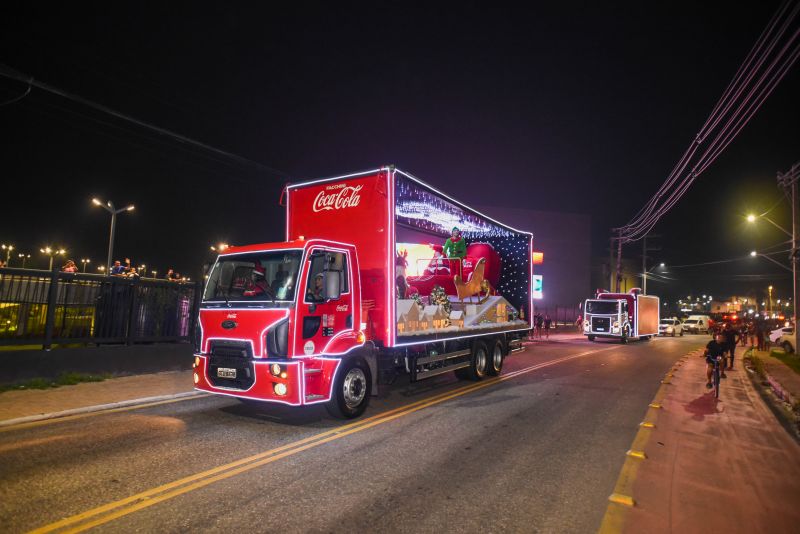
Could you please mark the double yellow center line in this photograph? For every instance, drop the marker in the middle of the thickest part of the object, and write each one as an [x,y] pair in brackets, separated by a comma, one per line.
[114,510]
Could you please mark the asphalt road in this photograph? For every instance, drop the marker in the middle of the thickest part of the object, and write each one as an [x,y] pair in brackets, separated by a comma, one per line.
[537,451]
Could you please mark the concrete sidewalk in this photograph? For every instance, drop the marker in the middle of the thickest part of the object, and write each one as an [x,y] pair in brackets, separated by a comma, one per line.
[18,404]
[711,465]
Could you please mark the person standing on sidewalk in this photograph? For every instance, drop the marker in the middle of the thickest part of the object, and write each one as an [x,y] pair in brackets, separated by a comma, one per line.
[547,324]
[715,348]
[730,342]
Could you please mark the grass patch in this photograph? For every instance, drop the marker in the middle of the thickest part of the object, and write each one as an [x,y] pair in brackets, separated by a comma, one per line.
[792,361]
[64,379]
[757,363]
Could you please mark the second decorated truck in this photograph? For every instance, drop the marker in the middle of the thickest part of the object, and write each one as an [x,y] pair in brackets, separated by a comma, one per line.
[621,316]
[365,287]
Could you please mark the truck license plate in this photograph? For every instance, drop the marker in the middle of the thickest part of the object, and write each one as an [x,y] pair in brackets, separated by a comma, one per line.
[226,372]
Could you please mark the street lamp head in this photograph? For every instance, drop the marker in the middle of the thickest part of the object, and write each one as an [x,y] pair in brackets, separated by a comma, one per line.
[770,288]
[130,208]
[662,264]
[751,218]
[754,253]
[96,202]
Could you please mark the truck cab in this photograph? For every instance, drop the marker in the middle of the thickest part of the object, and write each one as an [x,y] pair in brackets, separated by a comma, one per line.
[606,318]
[273,316]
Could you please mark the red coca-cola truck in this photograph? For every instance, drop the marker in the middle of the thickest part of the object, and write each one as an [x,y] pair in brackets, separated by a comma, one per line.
[359,293]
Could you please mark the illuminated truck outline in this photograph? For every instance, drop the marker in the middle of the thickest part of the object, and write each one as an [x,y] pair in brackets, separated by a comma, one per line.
[277,354]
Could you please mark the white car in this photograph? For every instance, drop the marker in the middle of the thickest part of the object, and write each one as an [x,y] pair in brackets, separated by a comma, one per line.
[670,327]
[775,335]
[697,324]
[788,340]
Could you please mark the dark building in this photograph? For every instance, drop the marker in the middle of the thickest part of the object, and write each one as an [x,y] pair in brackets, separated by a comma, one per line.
[565,240]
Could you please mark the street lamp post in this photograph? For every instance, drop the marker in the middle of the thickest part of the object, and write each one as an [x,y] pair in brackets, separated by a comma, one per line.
[109,207]
[52,253]
[85,261]
[8,249]
[24,257]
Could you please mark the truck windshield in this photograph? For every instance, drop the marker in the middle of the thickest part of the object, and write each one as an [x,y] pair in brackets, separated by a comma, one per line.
[606,307]
[256,276]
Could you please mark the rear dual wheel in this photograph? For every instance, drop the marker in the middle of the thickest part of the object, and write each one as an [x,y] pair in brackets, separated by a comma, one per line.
[479,363]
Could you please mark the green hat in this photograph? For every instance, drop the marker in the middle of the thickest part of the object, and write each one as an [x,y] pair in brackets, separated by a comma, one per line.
[456,229]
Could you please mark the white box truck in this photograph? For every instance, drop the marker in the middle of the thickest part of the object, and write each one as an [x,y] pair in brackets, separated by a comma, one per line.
[622,316]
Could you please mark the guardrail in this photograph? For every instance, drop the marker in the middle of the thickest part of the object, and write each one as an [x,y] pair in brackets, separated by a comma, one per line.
[49,307]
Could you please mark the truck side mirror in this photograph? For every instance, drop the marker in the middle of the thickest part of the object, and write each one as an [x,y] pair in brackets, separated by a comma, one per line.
[331,287]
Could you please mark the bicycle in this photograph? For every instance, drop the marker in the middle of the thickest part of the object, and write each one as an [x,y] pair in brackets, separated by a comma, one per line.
[716,376]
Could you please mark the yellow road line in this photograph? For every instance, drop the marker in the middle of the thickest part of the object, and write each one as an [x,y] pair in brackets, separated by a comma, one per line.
[54,420]
[122,507]
[622,499]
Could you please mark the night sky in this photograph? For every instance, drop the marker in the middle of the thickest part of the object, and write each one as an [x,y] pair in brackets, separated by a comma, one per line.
[578,109]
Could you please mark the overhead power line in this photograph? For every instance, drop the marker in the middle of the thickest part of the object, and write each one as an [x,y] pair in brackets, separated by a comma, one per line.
[765,66]
[13,74]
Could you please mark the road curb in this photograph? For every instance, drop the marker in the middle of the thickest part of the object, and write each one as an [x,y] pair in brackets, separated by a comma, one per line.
[622,498]
[97,408]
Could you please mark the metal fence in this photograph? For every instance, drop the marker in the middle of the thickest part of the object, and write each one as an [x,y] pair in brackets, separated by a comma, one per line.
[44,308]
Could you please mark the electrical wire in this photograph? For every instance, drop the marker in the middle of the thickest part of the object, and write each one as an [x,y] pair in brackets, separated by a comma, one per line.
[744,107]
[17,98]
[13,74]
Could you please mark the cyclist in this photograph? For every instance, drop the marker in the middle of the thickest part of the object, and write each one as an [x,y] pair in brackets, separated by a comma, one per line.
[715,348]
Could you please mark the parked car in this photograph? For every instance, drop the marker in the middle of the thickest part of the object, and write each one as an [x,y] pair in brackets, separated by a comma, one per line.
[775,335]
[670,327]
[788,340]
[697,324]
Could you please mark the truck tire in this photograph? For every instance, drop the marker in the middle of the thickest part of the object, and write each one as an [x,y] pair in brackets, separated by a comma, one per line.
[478,363]
[647,338]
[681,333]
[787,347]
[590,338]
[496,358]
[351,389]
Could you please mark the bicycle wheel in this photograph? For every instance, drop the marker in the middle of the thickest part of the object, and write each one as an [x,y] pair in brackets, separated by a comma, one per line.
[716,381]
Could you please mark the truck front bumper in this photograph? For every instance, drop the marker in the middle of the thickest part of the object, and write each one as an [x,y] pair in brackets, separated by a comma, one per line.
[285,387]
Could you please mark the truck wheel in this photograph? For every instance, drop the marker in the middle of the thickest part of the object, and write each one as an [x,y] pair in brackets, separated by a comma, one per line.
[496,358]
[478,363]
[590,338]
[647,338]
[351,389]
[681,333]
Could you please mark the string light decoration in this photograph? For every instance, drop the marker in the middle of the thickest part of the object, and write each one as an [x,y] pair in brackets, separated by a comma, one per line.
[421,209]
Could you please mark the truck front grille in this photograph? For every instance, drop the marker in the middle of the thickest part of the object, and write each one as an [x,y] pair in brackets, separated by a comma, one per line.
[231,356]
[601,324]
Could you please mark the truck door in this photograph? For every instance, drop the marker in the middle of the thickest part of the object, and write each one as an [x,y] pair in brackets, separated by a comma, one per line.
[323,318]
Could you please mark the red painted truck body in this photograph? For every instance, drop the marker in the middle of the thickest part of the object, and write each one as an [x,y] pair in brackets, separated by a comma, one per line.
[282,342]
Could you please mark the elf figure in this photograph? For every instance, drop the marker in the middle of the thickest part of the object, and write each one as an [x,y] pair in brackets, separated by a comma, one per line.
[455,246]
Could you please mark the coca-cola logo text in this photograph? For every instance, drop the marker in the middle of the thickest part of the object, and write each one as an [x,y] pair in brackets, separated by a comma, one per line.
[345,197]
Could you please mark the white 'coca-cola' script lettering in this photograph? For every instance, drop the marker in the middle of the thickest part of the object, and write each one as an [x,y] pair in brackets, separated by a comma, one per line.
[346,197]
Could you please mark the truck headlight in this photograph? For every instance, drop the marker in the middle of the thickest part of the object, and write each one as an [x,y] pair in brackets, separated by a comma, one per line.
[616,324]
[279,389]
[669,329]
[586,323]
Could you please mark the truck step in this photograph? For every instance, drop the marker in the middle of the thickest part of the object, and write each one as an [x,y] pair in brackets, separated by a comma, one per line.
[442,357]
[312,371]
[421,375]
[314,397]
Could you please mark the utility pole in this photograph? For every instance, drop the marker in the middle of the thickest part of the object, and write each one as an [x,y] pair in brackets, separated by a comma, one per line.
[788,181]
[645,250]
[611,264]
[618,273]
